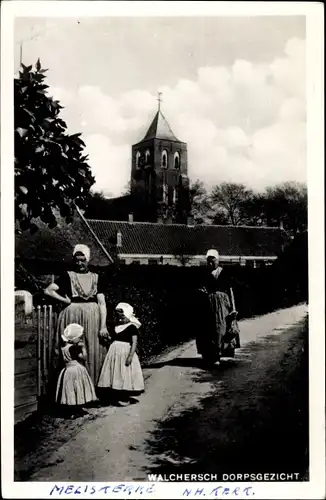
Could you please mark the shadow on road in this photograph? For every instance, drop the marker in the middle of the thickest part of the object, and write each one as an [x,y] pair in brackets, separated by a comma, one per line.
[182,362]
[257,420]
[195,363]
[225,363]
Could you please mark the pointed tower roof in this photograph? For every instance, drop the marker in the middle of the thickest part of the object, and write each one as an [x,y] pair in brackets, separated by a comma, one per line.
[160,129]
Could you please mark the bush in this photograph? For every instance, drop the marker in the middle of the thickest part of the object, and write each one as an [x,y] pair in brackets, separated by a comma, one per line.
[163,314]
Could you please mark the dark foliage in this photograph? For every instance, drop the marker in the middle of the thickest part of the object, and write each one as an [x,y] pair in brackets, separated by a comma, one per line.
[233,203]
[51,170]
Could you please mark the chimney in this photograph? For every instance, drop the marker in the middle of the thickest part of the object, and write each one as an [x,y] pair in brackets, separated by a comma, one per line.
[130,218]
[119,239]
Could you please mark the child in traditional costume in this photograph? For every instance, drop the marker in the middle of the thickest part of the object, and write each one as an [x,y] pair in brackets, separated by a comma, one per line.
[75,387]
[121,371]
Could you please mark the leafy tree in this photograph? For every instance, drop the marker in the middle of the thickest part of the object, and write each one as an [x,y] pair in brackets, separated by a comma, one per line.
[255,210]
[98,206]
[199,202]
[219,217]
[127,189]
[229,203]
[51,171]
[287,202]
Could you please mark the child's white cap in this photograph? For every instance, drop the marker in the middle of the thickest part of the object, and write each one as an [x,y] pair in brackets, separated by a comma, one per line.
[128,311]
[72,332]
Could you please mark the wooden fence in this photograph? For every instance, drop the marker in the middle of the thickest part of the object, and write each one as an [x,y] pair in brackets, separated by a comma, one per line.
[34,340]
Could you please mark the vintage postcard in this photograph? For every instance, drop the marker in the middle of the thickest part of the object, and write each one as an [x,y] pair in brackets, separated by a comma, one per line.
[162,256]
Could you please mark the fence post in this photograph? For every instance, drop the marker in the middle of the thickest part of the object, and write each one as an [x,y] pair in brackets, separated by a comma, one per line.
[50,342]
[45,348]
[39,368]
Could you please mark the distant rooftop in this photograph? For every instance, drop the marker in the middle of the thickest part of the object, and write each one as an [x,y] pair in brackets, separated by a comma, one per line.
[151,238]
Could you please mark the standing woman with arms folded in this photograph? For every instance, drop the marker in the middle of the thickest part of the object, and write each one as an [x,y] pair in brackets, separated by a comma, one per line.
[82,294]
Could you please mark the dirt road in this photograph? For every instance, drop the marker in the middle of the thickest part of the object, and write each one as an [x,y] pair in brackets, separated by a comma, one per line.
[116,445]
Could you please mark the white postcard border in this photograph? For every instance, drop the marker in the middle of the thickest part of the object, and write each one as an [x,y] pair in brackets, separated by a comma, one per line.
[315,488]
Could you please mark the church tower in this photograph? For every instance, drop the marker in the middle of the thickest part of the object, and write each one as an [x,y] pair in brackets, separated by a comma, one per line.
[159,174]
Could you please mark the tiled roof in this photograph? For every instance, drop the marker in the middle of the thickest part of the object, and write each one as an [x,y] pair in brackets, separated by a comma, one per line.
[160,129]
[56,245]
[160,239]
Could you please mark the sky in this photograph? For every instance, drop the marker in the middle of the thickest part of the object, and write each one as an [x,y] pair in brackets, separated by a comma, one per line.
[233,89]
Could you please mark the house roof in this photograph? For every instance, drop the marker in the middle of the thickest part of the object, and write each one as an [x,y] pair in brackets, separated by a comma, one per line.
[160,129]
[174,239]
[56,245]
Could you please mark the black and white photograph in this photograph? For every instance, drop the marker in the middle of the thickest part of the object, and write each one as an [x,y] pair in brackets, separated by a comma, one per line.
[164,319]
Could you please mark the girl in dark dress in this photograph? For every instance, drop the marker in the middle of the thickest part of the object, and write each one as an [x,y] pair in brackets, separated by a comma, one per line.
[121,371]
[215,311]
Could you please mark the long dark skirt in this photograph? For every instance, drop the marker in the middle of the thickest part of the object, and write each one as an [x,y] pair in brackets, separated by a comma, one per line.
[214,309]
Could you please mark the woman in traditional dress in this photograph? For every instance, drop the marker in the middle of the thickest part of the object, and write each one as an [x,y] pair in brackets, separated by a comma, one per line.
[121,372]
[216,311]
[82,292]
